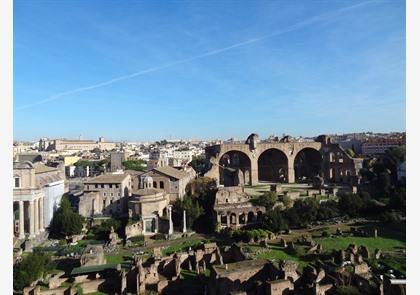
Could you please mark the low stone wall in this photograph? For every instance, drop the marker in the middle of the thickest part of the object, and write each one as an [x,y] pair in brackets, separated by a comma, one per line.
[57,291]
[135,229]
[91,286]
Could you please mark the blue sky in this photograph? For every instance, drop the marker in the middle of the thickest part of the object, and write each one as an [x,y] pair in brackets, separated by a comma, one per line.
[207,69]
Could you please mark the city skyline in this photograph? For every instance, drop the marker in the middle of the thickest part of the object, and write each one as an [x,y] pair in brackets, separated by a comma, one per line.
[189,70]
[174,138]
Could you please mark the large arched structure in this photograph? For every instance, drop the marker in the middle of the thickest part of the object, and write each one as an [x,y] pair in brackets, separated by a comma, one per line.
[234,168]
[307,164]
[272,166]
[255,161]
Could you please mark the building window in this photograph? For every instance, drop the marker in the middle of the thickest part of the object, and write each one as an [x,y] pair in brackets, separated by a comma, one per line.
[154,184]
[111,201]
[112,194]
[17,181]
[161,184]
[104,194]
[96,186]
[102,186]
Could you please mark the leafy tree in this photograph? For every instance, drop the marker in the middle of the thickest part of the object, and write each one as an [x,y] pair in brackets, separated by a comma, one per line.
[307,210]
[397,200]
[275,220]
[65,221]
[328,210]
[192,208]
[137,165]
[350,204]
[204,189]
[97,167]
[286,200]
[200,164]
[268,200]
[32,267]
[102,230]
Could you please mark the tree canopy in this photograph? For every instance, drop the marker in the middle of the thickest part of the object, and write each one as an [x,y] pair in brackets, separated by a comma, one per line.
[32,267]
[192,208]
[65,221]
[137,165]
[268,200]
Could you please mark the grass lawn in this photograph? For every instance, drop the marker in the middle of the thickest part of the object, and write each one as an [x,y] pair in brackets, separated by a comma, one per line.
[114,259]
[276,253]
[182,246]
[384,244]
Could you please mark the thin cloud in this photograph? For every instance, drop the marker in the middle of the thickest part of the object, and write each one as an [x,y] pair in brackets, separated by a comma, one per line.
[323,17]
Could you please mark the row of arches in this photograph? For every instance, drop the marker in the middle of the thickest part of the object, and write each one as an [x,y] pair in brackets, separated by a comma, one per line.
[235,166]
[238,219]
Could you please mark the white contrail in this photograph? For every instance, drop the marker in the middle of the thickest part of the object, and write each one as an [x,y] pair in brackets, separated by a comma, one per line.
[319,18]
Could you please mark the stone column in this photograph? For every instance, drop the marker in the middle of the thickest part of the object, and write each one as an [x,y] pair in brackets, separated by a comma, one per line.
[254,170]
[31,219]
[21,220]
[36,216]
[184,228]
[228,220]
[245,218]
[171,226]
[156,223]
[41,214]
[291,170]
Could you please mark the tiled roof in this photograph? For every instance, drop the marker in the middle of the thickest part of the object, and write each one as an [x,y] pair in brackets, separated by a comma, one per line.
[108,178]
[172,172]
[42,168]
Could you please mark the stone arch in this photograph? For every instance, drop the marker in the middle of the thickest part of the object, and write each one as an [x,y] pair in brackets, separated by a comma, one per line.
[272,166]
[233,167]
[251,216]
[307,164]
[224,219]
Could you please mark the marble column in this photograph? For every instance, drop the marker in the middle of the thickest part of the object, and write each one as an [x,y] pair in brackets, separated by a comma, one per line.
[31,219]
[41,214]
[21,220]
[184,228]
[36,216]
[171,226]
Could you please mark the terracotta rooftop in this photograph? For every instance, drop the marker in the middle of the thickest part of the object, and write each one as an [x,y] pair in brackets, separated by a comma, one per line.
[42,168]
[108,178]
[172,172]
